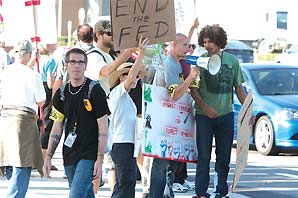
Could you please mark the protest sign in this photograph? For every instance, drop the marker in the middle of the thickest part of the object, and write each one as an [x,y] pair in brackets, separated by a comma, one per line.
[243,137]
[23,21]
[154,19]
[169,127]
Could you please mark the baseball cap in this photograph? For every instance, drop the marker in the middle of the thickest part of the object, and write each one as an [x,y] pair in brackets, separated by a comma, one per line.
[23,47]
[103,25]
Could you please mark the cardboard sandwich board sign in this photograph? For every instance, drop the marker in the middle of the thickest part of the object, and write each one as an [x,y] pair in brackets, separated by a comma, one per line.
[168,127]
[243,137]
[154,19]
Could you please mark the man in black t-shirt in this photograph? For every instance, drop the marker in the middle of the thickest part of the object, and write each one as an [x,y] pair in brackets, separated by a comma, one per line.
[86,117]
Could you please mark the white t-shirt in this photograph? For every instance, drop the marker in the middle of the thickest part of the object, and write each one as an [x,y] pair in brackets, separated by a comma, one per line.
[123,115]
[21,86]
[95,64]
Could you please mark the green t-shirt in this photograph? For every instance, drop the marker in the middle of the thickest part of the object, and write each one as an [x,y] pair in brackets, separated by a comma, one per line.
[217,90]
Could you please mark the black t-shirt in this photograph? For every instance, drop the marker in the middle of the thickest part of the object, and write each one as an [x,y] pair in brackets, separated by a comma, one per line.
[86,143]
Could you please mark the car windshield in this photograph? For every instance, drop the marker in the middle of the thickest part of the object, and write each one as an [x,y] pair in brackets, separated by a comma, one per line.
[276,81]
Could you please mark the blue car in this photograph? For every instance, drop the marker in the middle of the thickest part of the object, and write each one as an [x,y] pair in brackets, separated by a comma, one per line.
[275,105]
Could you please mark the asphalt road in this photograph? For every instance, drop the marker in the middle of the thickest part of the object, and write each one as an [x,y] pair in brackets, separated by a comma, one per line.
[264,176]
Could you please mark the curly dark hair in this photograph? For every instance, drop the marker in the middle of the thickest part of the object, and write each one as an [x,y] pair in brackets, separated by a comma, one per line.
[215,33]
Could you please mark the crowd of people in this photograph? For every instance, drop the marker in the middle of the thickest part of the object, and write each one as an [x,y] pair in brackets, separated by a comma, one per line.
[92,96]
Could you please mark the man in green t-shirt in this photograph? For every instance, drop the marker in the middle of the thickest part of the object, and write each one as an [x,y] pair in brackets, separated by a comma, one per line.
[214,116]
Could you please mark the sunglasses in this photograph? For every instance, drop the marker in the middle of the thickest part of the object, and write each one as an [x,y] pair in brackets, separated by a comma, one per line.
[108,33]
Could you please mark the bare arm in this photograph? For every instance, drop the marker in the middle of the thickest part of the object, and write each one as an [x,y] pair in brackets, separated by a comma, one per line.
[133,72]
[102,142]
[183,88]
[56,86]
[122,58]
[54,140]
[194,26]
[103,132]
[55,137]
[50,80]
[241,95]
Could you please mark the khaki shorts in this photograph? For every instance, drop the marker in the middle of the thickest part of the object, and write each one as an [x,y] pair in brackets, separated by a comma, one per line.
[108,162]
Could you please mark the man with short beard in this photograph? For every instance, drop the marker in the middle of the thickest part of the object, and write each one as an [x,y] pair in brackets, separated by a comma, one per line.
[100,61]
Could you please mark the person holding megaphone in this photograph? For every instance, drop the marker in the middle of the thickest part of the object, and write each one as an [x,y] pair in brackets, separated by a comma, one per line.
[220,74]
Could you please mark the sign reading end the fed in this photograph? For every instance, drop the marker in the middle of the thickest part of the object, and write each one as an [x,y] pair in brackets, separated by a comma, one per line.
[154,19]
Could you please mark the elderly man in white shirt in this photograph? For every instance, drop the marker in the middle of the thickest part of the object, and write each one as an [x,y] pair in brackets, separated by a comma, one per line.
[22,93]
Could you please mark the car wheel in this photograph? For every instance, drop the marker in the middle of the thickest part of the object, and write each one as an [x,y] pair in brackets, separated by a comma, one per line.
[264,136]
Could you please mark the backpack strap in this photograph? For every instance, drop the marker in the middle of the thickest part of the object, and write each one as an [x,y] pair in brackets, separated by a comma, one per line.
[91,85]
[62,88]
[98,52]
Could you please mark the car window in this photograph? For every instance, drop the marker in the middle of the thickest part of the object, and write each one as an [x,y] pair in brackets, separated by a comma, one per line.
[276,81]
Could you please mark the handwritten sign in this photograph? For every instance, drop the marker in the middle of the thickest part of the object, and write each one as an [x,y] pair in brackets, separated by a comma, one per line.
[169,127]
[154,19]
[243,136]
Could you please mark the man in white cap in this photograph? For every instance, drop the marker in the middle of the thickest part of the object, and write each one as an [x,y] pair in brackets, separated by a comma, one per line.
[22,93]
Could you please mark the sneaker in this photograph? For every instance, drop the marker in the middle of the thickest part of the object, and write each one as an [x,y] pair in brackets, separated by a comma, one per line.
[201,196]
[221,196]
[54,168]
[189,185]
[101,183]
[145,195]
[179,188]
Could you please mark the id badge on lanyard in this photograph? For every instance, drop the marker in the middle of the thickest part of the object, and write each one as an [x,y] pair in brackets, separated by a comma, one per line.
[71,137]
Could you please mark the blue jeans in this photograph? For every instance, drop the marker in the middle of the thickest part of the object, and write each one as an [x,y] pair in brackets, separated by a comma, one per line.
[18,181]
[162,173]
[222,128]
[80,179]
[125,169]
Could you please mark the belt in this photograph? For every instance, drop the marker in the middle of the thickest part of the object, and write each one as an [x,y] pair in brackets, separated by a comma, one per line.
[20,108]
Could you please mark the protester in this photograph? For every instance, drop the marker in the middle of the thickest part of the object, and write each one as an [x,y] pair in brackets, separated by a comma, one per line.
[85,37]
[100,65]
[177,88]
[86,111]
[123,123]
[214,113]
[22,93]
[180,182]
[84,42]
[47,70]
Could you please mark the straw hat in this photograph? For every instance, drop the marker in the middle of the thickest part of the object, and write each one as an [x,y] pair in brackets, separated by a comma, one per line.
[122,69]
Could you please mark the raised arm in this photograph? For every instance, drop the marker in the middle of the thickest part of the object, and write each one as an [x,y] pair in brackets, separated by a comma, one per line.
[122,58]
[133,72]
